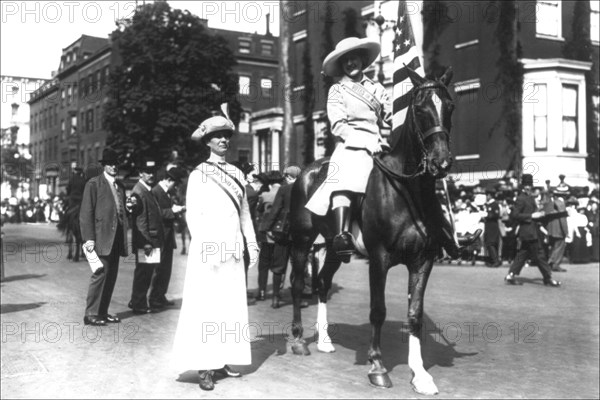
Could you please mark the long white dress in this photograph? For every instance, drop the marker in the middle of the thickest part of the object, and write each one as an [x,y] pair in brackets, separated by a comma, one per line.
[213,323]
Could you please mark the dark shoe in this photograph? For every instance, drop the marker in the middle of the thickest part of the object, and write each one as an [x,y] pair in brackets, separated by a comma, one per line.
[130,305]
[113,319]
[303,304]
[497,264]
[261,296]
[227,371]
[558,269]
[168,303]
[510,279]
[469,239]
[206,382]
[552,282]
[156,305]
[144,310]
[93,320]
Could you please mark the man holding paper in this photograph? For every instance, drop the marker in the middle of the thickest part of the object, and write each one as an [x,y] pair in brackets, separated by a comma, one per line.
[147,236]
[103,224]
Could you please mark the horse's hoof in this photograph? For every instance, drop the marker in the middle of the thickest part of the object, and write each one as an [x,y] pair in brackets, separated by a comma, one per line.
[300,348]
[325,347]
[380,380]
[425,386]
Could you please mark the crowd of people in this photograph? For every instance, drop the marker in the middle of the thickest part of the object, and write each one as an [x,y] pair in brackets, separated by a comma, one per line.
[32,210]
[572,237]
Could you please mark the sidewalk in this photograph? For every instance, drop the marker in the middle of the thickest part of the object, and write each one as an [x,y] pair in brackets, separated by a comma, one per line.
[483,338]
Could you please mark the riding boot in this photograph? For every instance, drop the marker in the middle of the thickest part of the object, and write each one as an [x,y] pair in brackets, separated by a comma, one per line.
[343,241]
[453,248]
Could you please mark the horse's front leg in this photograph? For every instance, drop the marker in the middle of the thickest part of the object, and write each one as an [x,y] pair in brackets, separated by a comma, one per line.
[379,264]
[299,255]
[324,281]
[422,381]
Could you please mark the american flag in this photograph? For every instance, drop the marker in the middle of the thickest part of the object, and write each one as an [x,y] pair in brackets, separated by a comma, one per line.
[405,52]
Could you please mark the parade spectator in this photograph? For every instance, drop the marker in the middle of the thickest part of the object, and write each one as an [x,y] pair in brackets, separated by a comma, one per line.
[214,291]
[593,223]
[579,238]
[271,254]
[104,229]
[491,235]
[253,186]
[557,228]
[147,236]
[524,213]
[168,179]
[275,225]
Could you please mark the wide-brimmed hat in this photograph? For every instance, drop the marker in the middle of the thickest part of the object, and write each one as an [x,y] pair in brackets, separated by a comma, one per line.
[331,65]
[561,190]
[109,157]
[572,201]
[212,125]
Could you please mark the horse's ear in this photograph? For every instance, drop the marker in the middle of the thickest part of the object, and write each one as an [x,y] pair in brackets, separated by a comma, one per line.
[415,78]
[447,77]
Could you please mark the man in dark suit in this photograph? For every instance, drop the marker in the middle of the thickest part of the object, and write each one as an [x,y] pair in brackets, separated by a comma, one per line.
[104,229]
[557,228]
[147,236]
[524,213]
[491,236]
[168,179]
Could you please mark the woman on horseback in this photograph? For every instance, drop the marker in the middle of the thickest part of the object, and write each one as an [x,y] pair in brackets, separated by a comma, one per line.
[357,108]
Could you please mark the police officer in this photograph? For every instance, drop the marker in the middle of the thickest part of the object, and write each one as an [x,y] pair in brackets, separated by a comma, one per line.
[491,236]
[524,213]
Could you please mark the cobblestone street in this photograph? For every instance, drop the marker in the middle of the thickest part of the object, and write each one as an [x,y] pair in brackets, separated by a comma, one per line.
[483,339]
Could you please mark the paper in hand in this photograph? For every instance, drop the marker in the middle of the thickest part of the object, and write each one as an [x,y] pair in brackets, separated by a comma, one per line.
[93,259]
[153,258]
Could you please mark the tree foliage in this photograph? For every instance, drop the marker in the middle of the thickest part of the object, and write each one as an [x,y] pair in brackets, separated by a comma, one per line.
[173,73]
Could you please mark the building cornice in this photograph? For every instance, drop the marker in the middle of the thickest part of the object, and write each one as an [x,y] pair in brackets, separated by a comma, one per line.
[555,63]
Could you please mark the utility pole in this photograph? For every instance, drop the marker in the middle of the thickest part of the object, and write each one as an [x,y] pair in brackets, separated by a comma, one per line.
[288,120]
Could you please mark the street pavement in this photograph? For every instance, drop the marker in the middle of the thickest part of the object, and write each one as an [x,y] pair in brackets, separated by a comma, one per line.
[482,339]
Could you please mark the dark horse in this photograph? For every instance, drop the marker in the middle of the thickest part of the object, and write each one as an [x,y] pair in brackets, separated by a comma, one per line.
[401,220]
[69,226]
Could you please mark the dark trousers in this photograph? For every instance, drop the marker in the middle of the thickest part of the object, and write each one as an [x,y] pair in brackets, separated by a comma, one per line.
[162,276]
[492,250]
[530,250]
[142,277]
[557,251]
[102,282]
[272,257]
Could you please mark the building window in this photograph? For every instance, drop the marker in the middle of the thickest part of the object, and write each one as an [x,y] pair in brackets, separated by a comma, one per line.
[244,46]
[569,118]
[243,156]
[63,132]
[266,48]
[266,87]
[69,95]
[98,118]
[540,118]
[548,18]
[244,85]
[244,125]
[594,15]
[297,65]
[89,123]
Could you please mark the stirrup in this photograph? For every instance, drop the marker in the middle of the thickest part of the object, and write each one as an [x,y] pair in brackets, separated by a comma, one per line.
[343,245]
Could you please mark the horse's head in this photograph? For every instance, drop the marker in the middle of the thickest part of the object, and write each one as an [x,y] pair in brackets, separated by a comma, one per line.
[431,110]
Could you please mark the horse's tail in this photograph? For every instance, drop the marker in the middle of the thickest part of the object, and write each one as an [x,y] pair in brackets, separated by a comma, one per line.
[69,221]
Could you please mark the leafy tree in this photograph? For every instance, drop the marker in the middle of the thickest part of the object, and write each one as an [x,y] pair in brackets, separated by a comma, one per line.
[173,73]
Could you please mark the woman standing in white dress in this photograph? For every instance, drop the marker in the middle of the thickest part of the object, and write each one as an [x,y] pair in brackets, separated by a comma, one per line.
[213,324]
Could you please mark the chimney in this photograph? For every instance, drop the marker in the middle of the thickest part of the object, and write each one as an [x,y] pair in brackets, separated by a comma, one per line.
[268,18]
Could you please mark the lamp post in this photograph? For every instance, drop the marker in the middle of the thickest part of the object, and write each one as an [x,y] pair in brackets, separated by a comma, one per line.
[379,20]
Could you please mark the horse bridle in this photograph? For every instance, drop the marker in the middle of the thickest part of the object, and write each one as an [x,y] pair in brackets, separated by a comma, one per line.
[436,128]
[422,167]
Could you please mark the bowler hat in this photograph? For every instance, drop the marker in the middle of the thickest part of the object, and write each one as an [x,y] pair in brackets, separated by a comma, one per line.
[331,64]
[527,180]
[212,125]
[109,157]
[148,165]
[176,173]
[572,201]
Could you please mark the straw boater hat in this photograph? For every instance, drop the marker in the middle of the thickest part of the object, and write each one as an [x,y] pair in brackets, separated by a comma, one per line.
[331,65]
